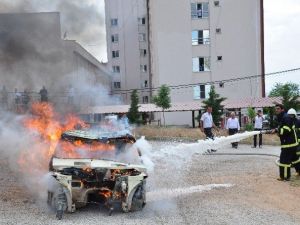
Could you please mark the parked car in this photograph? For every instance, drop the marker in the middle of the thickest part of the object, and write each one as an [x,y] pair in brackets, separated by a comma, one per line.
[266,122]
[84,171]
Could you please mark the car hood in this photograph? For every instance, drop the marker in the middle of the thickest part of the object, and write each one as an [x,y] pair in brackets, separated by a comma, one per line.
[59,164]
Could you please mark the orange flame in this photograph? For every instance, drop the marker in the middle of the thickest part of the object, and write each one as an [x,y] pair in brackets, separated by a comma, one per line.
[45,124]
[106,193]
[69,150]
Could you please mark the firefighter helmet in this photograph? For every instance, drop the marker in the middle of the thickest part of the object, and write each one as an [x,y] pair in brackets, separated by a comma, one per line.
[292,112]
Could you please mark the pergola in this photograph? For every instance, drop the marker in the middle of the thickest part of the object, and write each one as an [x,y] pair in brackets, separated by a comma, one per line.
[237,104]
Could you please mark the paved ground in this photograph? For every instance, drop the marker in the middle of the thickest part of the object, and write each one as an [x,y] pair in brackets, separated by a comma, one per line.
[182,190]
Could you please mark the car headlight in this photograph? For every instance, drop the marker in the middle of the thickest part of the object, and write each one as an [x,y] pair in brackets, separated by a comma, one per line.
[123,186]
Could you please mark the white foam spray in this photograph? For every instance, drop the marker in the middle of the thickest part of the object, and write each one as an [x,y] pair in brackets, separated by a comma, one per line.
[146,153]
[176,160]
[184,152]
[163,194]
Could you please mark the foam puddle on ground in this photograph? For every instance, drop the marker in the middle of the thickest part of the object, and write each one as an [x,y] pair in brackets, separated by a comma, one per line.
[164,194]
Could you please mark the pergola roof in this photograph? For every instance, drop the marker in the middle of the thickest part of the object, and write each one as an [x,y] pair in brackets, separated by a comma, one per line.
[252,102]
[185,106]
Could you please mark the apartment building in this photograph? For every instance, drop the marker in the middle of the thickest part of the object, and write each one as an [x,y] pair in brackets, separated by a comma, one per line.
[196,42]
[128,46]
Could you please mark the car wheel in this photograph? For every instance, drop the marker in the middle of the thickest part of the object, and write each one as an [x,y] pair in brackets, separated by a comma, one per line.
[138,199]
[59,202]
[59,214]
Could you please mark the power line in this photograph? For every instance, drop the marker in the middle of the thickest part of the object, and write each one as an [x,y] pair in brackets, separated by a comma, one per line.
[208,83]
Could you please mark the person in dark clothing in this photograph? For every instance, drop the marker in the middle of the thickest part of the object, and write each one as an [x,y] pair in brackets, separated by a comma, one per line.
[280,114]
[289,144]
[297,126]
[71,94]
[18,101]
[296,123]
[25,99]
[44,94]
[4,97]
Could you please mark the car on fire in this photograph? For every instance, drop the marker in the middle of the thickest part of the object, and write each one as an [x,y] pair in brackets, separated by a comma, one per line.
[85,168]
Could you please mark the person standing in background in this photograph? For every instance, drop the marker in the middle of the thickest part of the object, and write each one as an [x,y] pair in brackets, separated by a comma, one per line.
[124,122]
[233,126]
[4,97]
[207,123]
[25,99]
[17,101]
[71,94]
[44,94]
[258,124]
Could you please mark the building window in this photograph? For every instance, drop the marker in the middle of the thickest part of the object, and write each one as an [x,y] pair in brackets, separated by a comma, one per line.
[116,69]
[219,58]
[200,37]
[114,22]
[145,99]
[218,30]
[143,68]
[117,85]
[217,3]
[115,54]
[142,21]
[115,38]
[201,91]
[201,64]
[145,83]
[199,10]
[143,52]
[142,37]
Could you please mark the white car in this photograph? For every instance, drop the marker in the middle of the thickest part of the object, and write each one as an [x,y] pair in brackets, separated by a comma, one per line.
[85,172]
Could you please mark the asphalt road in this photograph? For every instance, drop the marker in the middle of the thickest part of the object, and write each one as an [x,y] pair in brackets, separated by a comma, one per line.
[182,189]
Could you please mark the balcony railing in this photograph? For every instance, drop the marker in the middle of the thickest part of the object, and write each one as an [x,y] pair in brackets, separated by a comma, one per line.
[200,41]
[198,14]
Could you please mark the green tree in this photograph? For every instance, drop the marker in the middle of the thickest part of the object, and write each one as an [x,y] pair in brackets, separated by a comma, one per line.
[162,99]
[133,114]
[251,115]
[215,101]
[289,92]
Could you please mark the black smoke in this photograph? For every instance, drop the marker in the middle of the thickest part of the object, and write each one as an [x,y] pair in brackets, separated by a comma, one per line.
[35,38]
[81,20]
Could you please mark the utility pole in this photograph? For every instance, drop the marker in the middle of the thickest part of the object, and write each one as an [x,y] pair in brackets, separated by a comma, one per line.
[262,46]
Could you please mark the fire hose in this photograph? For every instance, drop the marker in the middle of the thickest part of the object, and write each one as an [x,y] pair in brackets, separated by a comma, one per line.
[249,154]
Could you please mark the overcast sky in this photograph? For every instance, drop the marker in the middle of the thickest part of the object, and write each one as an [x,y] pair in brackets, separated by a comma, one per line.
[282,35]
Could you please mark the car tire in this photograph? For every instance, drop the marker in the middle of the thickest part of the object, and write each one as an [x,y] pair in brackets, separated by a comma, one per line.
[138,199]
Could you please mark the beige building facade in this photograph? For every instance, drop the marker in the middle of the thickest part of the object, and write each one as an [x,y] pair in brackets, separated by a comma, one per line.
[128,46]
[193,45]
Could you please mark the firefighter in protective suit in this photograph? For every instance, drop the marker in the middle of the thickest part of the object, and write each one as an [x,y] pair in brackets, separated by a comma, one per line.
[289,145]
[297,125]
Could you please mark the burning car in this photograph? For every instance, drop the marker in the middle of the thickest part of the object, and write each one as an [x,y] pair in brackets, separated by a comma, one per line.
[85,170]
